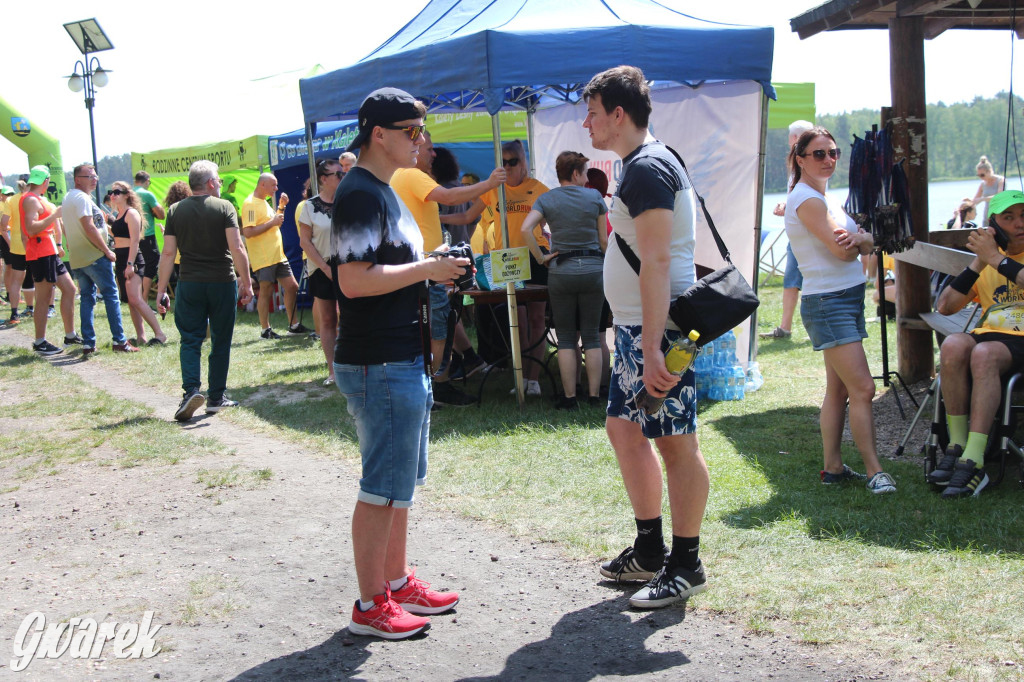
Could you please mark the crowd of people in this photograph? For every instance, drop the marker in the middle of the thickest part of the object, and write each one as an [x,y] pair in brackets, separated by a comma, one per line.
[374,229]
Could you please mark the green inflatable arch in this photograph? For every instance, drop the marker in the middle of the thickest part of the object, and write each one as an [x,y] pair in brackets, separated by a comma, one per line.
[42,150]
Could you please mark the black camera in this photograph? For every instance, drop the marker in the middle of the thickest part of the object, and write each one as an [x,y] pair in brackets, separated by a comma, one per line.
[461,250]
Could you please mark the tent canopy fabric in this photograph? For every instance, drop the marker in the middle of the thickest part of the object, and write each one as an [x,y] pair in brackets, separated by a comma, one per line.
[476,54]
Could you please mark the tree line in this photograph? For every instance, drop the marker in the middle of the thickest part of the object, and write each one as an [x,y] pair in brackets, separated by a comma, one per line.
[958,135]
[111,169]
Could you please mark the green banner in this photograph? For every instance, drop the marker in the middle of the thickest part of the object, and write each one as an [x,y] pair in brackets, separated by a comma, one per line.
[795,103]
[42,150]
[475,127]
[229,156]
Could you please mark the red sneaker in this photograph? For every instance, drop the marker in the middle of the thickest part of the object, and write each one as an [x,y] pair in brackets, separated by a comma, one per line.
[417,597]
[386,619]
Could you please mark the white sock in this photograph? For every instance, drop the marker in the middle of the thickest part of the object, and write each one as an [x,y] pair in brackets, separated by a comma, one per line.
[38,341]
[398,583]
[365,606]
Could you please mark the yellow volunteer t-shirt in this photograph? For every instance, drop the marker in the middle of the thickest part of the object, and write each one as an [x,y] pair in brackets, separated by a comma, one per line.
[1002,302]
[518,204]
[412,186]
[265,249]
[17,245]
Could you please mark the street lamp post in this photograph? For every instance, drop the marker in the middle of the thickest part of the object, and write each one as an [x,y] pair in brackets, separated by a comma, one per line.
[89,74]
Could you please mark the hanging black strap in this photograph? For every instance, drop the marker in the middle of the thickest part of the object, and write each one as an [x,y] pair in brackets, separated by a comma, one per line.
[631,257]
[424,300]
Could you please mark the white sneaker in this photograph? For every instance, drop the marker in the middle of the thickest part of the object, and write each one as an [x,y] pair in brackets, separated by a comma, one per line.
[532,388]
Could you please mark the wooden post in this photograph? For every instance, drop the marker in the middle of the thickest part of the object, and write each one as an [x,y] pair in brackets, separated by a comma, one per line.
[909,140]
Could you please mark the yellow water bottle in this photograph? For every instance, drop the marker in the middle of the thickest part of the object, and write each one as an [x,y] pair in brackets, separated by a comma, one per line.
[679,357]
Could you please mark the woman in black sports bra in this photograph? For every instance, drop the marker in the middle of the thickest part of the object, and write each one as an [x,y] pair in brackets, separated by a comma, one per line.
[126,229]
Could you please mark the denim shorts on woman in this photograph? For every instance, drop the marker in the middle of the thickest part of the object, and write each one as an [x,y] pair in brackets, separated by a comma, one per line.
[391,407]
[679,413]
[834,318]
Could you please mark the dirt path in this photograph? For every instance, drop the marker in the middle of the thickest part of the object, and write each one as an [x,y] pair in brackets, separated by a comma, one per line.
[255,581]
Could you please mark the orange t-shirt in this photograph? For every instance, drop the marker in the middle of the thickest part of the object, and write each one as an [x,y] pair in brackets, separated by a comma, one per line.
[42,244]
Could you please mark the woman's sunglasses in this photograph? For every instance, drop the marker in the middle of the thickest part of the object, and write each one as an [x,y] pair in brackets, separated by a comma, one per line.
[413,132]
[819,154]
[118,192]
[511,163]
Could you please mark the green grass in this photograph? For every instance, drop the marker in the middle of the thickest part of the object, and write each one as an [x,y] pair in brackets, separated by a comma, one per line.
[934,585]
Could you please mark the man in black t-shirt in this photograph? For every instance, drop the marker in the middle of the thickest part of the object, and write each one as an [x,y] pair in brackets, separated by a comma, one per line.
[654,213]
[204,230]
[378,361]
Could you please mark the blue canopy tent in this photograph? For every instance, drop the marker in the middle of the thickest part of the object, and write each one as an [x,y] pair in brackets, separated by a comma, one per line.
[459,55]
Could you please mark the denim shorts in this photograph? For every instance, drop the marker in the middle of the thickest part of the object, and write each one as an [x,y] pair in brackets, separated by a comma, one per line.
[679,413]
[390,404]
[792,278]
[834,318]
[440,307]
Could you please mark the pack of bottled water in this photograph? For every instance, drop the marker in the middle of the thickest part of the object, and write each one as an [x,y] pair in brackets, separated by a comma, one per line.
[720,376]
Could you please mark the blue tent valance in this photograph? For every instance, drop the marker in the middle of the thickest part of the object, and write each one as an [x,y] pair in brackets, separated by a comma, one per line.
[495,54]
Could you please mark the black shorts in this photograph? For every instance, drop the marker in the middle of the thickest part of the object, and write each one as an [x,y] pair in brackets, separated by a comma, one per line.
[538,273]
[5,250]
[120,263]
[151,255]
[1013,342]
[320,285]
[47,269]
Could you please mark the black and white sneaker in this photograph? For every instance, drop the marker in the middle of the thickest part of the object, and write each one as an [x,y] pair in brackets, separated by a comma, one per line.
[73,340]
[298,329]
[629,566]
[269,334]
[669,586]
[45,348]
[968,480]
[213,406]
[943,471]
[192,401]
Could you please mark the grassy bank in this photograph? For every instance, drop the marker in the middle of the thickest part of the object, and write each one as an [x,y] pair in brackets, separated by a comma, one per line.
[933,585]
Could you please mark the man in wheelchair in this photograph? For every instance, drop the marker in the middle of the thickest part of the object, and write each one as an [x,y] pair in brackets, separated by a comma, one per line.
[972,364]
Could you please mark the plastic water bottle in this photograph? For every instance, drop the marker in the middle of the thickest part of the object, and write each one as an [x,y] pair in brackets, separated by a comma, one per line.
[679,358]
[702,384]
[739,381]
[709,350]
[754,378]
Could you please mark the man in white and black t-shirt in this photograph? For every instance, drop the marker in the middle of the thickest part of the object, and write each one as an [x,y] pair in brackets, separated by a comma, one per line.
[655,213]
[378,361]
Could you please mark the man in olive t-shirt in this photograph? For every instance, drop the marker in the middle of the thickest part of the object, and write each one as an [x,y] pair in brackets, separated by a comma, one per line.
[204,230]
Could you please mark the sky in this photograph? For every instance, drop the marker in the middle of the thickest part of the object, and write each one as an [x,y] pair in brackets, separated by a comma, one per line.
[183,78]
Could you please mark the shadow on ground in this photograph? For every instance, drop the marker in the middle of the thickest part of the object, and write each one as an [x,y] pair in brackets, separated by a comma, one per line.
[915,518]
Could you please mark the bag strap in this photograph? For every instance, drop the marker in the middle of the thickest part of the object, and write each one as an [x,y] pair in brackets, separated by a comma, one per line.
[631,257]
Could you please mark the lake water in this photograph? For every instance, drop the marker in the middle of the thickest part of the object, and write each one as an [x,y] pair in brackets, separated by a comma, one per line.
[943,198]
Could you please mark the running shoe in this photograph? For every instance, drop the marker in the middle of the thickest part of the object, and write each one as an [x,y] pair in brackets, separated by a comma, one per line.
[943,471]
[298,329]
[192,401]
[124,348]
[669,586]
[386,619]
[881,483]
[629,566]
[73,340]
[45,348]
[51,311]
[214,406]
[269,334]
[446,394]
[968,480]
[30,310]
[847,474]
[417,597]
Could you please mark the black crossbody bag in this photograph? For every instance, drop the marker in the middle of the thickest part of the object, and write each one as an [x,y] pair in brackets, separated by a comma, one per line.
[717,302]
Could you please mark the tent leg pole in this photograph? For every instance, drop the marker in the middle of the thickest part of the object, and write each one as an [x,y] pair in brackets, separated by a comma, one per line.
[510,289]
[752,345]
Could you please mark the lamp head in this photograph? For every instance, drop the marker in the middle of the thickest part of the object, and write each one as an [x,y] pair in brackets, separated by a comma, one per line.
[76,83]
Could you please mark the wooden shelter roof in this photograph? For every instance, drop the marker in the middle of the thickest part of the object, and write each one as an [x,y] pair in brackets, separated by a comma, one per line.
[938,15]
